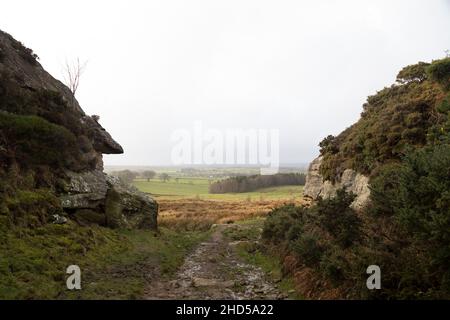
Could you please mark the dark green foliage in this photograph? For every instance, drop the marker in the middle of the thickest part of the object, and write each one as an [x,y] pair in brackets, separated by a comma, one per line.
[439,71]
[334,265]
[252,183]
[33,141]
[444,106]
[406,234]
[412,197]
[394,118]
[308,248]
[310,233]
[328,145]
[337,217]
[384,189]
[418,195]
[416,72]
[284,223]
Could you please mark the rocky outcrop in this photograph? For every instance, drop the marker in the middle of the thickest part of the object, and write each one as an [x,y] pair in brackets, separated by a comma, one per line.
[71,164]
[86,190]
[352,181]
[93,197]
[127,207]
[103,142]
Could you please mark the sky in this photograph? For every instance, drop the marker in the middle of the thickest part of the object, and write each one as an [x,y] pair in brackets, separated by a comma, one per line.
[301,67]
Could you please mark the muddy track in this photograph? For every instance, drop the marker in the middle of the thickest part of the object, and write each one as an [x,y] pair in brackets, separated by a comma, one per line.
[215,271]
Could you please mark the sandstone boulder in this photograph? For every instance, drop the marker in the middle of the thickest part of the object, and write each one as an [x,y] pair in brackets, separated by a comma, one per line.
[127,206]
[85,190]
[352,181]
[93,197]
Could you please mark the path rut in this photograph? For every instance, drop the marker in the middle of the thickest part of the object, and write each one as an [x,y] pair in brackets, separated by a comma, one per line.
[215,271]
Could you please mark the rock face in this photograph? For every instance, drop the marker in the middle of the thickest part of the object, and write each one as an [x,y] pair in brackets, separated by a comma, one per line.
[73,170]
[350,180]
[94,197]
[127,207]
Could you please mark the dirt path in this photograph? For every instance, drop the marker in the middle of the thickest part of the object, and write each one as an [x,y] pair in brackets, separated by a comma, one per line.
[215,271]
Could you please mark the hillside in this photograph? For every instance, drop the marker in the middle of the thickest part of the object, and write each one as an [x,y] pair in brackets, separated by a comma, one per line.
[56,203]
[379,194]
[381,191]
[392,120]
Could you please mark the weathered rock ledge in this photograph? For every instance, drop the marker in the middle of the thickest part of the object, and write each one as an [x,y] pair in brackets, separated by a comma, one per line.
[95,197]
[352,181]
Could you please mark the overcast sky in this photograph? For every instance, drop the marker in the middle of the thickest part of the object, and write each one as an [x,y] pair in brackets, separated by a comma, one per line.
[303,67]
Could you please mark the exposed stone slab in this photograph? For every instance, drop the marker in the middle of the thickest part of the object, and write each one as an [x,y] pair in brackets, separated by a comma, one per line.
[351,180]
[94,197]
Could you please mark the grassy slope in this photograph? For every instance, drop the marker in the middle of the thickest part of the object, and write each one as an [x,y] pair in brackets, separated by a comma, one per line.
[192,187]
[114,264]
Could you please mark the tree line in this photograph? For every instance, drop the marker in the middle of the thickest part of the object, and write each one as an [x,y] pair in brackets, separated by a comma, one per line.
[254,182]
[128,176]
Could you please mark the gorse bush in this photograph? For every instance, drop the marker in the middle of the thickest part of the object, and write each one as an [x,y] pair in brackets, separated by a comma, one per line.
[338,218]
[405,231]
[418,196]
[416,72]
[310,233]
[308,248]
[411,200]
[284,223]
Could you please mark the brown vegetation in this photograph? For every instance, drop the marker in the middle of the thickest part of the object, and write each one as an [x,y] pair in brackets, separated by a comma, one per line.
[196,214]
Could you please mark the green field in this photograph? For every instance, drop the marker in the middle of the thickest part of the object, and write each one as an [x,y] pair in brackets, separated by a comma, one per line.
[198,187]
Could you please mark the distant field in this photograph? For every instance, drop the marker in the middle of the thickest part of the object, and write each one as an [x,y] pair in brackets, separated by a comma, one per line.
[186,204]
[205,172]
[198,188]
